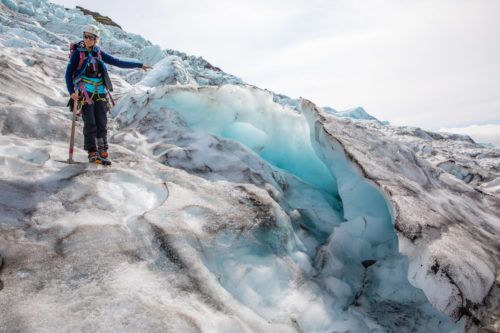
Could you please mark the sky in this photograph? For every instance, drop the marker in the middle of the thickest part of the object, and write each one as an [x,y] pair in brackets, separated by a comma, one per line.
[428,63]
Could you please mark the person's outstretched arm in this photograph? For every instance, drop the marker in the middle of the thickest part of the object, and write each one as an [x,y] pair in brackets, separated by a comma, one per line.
[109,59]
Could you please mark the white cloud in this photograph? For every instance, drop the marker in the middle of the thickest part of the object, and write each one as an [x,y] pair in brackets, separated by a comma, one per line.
[489,133]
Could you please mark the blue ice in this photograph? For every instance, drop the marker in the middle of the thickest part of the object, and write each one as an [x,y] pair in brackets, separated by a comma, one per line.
[341,237]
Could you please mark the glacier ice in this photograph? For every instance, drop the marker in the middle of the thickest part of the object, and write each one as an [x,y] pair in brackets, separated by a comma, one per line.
[228,209]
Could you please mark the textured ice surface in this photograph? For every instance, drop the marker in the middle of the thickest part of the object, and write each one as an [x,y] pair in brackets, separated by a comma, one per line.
[448,229]
[227,209]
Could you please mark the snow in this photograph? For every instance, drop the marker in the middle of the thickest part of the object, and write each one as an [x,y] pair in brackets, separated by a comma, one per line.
[228,208]
[357,113]
[457,154]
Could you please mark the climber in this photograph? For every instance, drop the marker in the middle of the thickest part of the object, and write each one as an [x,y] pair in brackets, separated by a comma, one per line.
[88,83]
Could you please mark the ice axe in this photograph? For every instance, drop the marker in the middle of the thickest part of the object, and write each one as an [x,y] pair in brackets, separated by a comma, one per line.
[73,127]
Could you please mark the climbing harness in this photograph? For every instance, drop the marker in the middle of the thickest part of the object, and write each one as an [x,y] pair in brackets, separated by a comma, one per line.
[81,81]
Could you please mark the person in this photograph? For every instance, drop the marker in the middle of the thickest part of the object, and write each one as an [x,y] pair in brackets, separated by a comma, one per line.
[88,82]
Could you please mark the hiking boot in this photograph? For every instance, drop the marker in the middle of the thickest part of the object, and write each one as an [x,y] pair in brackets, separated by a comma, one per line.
[94,157]
[103,155]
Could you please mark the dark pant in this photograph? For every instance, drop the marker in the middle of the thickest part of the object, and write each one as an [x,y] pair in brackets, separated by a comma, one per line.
[95,121]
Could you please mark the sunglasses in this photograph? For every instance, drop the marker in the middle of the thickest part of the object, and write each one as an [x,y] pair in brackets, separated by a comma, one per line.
[92,37]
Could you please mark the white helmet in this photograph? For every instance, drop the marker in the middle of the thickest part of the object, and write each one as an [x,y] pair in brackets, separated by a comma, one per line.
[92,29]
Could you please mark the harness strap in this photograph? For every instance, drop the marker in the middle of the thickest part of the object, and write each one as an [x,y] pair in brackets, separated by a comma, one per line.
[94,83]
[111,99]
[85,93]
[82,101]
[101,99]
[93,63]
[82,59]
[95,92]
[83,56]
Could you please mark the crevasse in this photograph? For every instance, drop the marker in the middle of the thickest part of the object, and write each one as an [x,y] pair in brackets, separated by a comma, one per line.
[341,233]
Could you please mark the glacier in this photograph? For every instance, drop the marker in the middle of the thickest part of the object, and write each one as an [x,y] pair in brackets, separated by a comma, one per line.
[229,208]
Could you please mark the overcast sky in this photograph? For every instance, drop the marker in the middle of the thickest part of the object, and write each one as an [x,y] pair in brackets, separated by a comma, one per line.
[428,63]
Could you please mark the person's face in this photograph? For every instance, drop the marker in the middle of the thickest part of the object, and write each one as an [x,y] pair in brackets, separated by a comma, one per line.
[89,39]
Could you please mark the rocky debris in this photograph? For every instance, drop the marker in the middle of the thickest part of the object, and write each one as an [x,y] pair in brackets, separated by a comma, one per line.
[99,18]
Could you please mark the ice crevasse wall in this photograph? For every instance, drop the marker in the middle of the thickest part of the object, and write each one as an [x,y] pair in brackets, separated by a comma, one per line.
[357,258]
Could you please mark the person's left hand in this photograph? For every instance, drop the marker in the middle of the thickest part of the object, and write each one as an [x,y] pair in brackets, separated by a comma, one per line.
[146,67]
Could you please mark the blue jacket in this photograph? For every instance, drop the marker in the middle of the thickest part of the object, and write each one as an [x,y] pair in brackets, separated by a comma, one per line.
[73,74]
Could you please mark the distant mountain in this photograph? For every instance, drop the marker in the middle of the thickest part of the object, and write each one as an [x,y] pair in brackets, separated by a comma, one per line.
[355,113]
